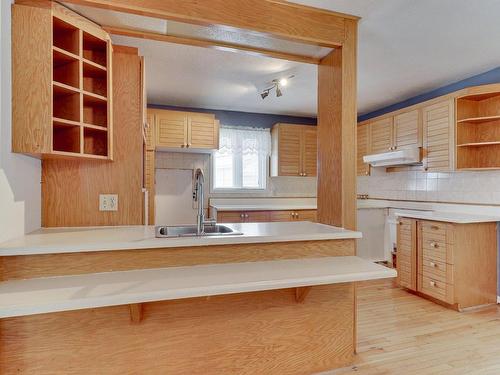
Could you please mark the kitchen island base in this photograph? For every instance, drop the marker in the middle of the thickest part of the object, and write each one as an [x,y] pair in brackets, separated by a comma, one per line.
[119,301]
[248,333]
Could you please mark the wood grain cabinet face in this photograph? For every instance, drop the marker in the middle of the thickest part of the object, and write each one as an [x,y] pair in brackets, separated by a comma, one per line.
[186,130]
[381,136]
[439,136]
[61,84]
[407,130]
[203,131]
[149,130]
[452,263]
[171,129]
[407,253]
[310,151]
[294,150]
[363,148]
[265,216]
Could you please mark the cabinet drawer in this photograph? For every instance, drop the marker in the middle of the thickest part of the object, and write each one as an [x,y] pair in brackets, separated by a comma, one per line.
[230,217]
[281,216]
[436,250]
[437,230]
[256,216]
[436,270]
[436,288]
[306,215]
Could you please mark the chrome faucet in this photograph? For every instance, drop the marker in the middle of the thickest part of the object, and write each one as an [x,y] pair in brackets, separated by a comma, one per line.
[199,196]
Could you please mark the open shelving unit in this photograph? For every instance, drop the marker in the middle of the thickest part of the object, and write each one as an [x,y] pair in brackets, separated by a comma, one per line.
[81,125]
[478,131]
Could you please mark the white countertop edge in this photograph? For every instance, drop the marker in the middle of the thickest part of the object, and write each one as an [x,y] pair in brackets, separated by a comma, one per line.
[161,243]
[164,295]
[449,217]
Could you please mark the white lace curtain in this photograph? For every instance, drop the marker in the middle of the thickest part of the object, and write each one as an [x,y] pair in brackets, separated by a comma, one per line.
[244,140]
[241,161]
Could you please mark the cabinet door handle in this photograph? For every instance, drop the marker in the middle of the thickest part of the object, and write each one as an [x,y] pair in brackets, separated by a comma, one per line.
[432,264]
[188,145]
[183,145]
[434,245]
[432,283]
[305,174]
[246,216]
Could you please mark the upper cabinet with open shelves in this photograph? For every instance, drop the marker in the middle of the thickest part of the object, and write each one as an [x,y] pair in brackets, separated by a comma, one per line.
[458,131]
[62,103]
[478,130]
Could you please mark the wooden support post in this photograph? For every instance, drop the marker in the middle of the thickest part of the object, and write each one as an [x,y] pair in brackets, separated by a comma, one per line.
[301,293]
[337,133]
[135,312]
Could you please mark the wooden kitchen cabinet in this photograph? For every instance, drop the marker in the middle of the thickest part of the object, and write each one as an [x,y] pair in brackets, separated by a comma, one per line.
[185,130]
[451,263]
[242,216]
[294,150]
[362,149]
[408,130]
[404,130]
[407,252]
[381,135]
[439,136]
[265,216]
[61,84]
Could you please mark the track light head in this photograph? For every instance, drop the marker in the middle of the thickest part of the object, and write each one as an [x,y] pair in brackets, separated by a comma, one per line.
[278,91]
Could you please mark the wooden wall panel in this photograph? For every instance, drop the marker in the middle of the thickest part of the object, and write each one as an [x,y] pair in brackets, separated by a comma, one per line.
[71,188]
[251,333]
[30,266]
[31,80]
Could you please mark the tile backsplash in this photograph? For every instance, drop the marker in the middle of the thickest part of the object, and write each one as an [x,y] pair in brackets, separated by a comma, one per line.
[453,187]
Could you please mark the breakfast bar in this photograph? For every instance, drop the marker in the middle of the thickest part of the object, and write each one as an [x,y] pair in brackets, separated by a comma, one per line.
[280,296]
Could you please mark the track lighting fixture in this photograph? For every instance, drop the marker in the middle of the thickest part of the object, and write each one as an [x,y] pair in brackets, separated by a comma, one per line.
[276,84]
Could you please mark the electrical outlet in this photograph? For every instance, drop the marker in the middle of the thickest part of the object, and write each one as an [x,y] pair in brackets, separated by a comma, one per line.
[108,202]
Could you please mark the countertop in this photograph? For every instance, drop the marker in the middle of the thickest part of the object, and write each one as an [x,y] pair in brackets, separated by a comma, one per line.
[450,217]
[63,293]
[70,240]
[263,204]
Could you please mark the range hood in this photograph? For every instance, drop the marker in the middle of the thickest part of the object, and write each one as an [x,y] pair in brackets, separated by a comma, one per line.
[407,156]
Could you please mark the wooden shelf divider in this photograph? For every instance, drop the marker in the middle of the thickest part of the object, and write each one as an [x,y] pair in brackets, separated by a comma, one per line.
[80,93]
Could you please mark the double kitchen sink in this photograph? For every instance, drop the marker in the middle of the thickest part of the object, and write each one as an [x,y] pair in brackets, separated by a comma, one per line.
[191,231]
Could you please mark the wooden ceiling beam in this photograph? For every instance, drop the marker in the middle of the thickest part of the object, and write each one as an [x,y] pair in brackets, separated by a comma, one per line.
[223,46]
[281,19]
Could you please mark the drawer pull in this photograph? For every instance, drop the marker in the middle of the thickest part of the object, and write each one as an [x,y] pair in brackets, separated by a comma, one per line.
[434,245]
[432,264]
[432,283]
[242,216]
[246,216]
[434,227]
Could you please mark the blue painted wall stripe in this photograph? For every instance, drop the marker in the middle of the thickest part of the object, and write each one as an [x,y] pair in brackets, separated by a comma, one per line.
[236,118]
[491,76]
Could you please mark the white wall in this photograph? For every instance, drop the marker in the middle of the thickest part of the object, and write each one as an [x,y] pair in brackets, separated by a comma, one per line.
[454,187]
[20,196]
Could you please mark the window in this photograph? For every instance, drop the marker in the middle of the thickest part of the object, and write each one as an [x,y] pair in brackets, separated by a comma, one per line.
[241,161]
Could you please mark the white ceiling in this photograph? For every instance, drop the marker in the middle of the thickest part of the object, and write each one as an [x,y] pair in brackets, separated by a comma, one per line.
[406,47]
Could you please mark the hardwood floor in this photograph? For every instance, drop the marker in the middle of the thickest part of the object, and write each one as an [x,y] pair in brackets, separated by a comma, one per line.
[399,333]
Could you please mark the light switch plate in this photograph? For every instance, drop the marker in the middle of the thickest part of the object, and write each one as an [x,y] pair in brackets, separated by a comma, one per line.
[108,202]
